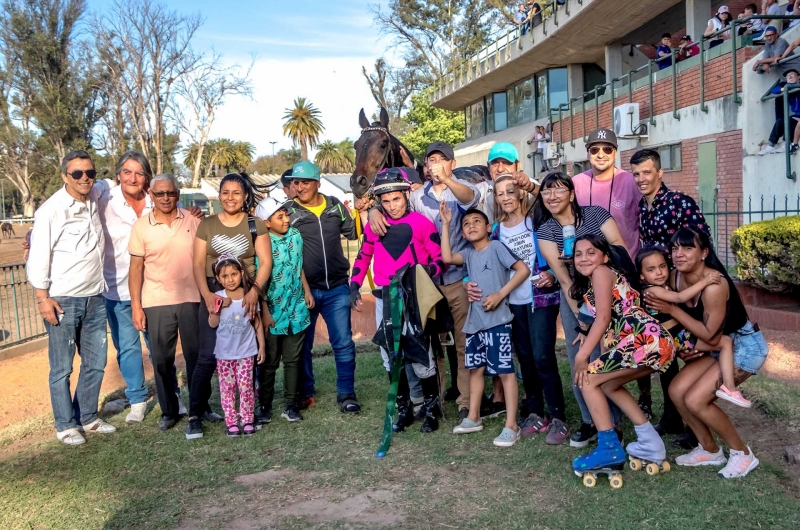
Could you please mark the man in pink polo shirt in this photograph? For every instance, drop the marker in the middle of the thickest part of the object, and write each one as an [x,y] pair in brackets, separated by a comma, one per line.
[164,296]
[609,187]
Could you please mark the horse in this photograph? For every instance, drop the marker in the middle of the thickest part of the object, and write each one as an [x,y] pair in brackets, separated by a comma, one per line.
[8,230]
[378,149]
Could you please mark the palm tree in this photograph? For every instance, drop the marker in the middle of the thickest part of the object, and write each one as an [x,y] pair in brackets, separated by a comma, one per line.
[303,125]
[349,154]
[329,158]
[241,155]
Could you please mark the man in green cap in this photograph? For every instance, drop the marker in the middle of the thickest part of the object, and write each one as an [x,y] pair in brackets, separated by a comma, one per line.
[322,220]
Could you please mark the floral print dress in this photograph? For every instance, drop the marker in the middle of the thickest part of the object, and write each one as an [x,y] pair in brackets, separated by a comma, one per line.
[634,339]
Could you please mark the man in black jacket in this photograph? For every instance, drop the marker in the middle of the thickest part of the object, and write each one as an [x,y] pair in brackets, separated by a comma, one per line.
[322,220]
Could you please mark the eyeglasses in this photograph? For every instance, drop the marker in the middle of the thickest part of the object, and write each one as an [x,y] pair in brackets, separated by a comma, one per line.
[78,174]
[162,194]
[607,149]
[558,192]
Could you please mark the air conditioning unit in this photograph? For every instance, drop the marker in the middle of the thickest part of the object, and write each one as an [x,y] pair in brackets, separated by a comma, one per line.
[626,121]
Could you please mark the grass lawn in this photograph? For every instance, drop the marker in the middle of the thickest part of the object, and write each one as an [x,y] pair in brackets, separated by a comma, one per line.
[323,473]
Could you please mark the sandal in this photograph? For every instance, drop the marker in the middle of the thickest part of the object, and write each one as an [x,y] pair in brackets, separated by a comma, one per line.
[248,429]
[348,404]
[233,431]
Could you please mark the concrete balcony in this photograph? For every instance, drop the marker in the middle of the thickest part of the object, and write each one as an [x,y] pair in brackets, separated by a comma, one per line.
[577,32]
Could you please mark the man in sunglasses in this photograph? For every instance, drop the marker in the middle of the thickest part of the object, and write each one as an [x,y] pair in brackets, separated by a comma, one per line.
[610,187]
[65,268]
[164,296]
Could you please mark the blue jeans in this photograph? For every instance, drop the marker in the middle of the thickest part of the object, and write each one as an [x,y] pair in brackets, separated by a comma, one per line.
[129,348]
[334,306]
[83,325]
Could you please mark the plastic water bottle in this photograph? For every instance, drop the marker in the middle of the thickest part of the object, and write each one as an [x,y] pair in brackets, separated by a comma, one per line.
[568,234]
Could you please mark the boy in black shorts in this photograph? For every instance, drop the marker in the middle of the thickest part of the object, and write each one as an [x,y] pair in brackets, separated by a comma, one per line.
[488,325]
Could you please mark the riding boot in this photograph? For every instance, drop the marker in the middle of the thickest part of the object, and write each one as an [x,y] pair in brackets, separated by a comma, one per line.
[405,410]
[430,406]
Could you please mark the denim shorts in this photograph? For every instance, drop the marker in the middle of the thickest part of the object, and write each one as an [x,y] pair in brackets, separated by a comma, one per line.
[749,348]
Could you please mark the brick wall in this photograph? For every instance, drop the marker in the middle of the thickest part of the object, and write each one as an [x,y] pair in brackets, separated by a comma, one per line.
[718,83]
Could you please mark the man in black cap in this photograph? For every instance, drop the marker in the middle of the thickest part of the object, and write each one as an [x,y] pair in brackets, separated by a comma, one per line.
[288,184]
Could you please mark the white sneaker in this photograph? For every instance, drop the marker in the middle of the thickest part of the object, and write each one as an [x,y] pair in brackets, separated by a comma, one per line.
[700,457]
[779,149]
[98,426]
[767,149]
[181,407]
[70,437]
[739,465]
[136,415]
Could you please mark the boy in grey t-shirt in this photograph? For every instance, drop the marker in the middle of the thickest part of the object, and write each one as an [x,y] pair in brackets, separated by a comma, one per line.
[488,325]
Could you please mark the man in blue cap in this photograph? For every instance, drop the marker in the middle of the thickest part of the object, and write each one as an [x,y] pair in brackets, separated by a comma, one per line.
[503,159]
[322,220]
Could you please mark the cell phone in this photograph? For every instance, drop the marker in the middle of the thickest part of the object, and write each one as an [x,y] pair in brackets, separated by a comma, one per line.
[536,278]
[217,305]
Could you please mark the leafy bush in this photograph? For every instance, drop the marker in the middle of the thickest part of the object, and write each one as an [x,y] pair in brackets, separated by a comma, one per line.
[768,254]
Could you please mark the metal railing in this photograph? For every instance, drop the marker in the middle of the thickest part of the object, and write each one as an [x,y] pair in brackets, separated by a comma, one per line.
[501,43]
[19,316]
[594,95]
[724,216]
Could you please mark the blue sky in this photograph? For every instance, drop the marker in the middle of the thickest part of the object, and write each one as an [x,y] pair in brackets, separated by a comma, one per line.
[314,49]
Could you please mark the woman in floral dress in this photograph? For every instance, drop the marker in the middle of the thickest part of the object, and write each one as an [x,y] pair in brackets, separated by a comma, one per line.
[634,345]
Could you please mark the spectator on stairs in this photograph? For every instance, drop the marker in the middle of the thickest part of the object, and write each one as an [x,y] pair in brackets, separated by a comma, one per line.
[792,77]
[754,27]
[687,48]
[716,23]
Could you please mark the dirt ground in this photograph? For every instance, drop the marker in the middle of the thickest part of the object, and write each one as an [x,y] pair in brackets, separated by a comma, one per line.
[11,249]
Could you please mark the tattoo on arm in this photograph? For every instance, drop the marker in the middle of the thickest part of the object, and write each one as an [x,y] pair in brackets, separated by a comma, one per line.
[706,316]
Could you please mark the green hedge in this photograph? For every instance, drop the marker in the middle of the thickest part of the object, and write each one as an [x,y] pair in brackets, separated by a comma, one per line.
[768,254]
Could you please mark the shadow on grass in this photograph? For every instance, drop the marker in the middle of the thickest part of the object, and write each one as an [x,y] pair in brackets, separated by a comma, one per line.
[141,478]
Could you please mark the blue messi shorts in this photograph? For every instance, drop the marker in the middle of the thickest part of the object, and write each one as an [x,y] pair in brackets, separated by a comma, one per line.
[490,348]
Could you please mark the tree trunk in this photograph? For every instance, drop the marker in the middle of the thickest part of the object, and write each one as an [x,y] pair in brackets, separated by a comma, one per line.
[303,150]
[28,206]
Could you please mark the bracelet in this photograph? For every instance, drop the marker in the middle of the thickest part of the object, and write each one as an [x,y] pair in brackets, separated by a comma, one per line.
[42,300]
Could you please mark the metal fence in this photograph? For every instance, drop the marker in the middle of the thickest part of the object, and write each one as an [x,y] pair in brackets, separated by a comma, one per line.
[19,317]
[724,216]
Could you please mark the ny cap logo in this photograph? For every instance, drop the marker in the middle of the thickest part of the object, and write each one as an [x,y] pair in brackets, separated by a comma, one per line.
[601,135]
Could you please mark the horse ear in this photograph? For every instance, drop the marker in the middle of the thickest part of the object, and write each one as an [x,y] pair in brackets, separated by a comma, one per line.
[406,157]
[362,120]
[384,118]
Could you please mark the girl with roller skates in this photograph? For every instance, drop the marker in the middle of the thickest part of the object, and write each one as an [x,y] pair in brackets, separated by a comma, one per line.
[634,345]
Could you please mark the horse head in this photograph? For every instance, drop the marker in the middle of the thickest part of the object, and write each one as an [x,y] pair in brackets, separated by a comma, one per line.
[376,149]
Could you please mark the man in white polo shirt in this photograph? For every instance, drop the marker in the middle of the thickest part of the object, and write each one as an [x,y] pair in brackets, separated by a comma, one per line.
[65,267]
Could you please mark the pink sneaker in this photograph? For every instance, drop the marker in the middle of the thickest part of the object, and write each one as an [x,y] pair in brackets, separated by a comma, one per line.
[734,397]
[533,424]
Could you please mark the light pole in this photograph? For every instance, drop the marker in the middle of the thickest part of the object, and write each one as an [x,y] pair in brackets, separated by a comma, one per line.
[3,198]
[273,148]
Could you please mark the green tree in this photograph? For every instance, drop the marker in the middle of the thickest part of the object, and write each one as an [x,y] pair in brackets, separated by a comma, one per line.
[328,159]
[303,125]
[429,124]
[348,151]
[277,164]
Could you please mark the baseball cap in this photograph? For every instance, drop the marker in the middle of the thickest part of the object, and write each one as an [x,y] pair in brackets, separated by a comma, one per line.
[286,178]
[305,170]
[269,205]
[686,37]
[791,70]
[443,147]
[773,29]
[503,150]
[723,9]
[602,136]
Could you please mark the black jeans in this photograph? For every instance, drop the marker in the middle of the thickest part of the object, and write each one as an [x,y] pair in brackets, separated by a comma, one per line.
[164,323]
[288,348]
[200,375]
[778,128]
[534,338]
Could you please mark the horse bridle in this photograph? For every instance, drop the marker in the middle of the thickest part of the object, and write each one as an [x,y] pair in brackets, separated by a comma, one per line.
[388,156]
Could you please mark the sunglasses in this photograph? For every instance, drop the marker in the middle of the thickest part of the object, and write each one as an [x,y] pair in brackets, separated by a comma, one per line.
[607,149]
[78,174]
[162,194]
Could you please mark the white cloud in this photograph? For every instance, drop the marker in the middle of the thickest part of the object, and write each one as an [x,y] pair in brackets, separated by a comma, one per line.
[334,85]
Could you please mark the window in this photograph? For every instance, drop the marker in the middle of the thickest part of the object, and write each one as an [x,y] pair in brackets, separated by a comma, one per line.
[580,167]
[520,98]
[559,92]
[475,116]
[500,114]
[542,106]
[489,114]
[670,157]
